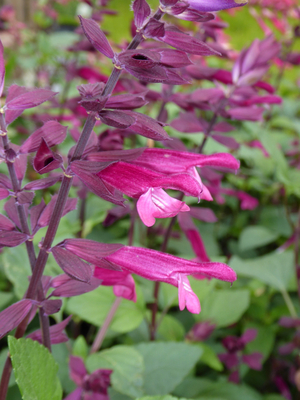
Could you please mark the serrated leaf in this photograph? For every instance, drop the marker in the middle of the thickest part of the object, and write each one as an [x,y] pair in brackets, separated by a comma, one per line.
[275,269]
[224,307]
[166,365]
[127,365]
[35,370]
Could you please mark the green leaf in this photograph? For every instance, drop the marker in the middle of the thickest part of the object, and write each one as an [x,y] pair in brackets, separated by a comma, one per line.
[80,348]
[224,307]
[202,287]
[61,355]
[167,397]
[201,388]
[127,365]
[256,236]
[5,298]
[35,370]
[62,39]
[114,395]
[271,145]
[93,307]
[210,358]
[264,341]
[274,397]
[170,329]
[13,393]
[17,269]
[274,218]
[166,365]
[168,295]
[275,269]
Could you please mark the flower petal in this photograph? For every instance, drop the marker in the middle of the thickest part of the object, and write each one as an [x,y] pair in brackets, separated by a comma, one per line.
[72,265]
[13,315]
[156,203]
[96,36]
[30,99]
[53,132]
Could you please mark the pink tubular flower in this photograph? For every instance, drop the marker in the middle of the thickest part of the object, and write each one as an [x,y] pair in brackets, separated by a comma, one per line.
[172,161]
[158,266]
[122,282]
[136,181]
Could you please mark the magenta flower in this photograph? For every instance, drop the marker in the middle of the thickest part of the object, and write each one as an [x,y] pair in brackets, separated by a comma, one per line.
[157,266]
[200,331]
[122,282]
[135,182]
[156,203]
[90,386]
[172,161]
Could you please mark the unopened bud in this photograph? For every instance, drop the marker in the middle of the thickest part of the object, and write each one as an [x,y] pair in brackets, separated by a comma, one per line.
[10,155]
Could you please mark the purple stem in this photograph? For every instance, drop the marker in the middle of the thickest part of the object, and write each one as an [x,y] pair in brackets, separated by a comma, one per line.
[81,217]
[44,321]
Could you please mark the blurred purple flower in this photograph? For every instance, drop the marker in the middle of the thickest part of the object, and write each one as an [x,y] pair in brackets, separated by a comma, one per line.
[90,386]
[200,331]
[234,356]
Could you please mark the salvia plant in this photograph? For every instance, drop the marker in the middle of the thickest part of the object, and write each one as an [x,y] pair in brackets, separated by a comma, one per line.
[105,182]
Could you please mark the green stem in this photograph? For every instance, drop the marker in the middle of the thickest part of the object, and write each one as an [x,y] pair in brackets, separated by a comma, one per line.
[289,303]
